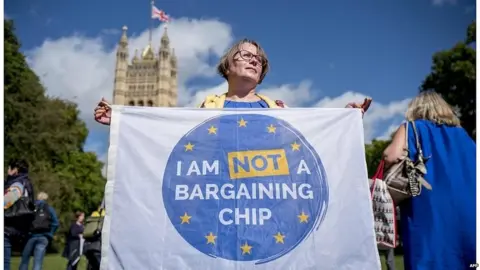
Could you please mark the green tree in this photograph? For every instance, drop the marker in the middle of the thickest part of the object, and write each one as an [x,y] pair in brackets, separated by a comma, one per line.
[49,134]
[453,76]
[374,153]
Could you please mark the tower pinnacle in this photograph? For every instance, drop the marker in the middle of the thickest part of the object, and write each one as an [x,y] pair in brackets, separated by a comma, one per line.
[124,39]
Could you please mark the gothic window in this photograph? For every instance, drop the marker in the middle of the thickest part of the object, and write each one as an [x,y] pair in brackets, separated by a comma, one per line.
[140,103]
[150,103]
[131,103]
[173,73]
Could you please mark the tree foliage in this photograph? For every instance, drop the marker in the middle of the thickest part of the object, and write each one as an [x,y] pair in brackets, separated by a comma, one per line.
[374,153]
[453,76]
[48,133]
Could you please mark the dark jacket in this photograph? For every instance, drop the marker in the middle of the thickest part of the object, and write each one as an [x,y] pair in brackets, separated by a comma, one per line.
[54,225]
[72,244]
[12,226]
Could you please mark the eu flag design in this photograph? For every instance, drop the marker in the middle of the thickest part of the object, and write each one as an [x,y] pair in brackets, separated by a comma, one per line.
[237,189]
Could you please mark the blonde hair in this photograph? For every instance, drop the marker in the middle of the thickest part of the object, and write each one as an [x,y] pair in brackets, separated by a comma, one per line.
[42,196]
[224,63]
[431,106]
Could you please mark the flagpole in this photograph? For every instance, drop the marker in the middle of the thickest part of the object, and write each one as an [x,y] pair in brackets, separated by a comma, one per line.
[151,24]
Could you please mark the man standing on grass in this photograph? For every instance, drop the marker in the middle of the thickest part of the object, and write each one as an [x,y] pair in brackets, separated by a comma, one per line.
[42,230]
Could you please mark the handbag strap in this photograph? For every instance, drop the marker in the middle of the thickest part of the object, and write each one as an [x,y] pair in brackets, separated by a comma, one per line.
[406,135]
[417,140]
[379,173]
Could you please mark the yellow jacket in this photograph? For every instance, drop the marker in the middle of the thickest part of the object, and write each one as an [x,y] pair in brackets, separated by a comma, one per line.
[98,214]
[217,102]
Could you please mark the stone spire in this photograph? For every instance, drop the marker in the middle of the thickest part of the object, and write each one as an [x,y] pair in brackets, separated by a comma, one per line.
[135,56]
[124,38]
[165,41]
[121,66]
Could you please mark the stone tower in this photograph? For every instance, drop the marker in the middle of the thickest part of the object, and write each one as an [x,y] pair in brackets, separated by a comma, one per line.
[149,79]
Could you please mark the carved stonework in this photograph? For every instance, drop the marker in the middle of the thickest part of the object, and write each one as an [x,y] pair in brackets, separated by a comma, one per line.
[149,79]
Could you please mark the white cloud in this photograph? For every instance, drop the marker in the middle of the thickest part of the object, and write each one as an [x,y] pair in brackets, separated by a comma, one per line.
[81,68]
[377,112]
[388,133]
[292,95]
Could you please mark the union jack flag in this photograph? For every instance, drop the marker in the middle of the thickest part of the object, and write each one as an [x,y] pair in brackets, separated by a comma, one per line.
[159,14]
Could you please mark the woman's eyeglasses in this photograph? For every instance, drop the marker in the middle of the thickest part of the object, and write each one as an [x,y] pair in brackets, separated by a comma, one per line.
[247,56]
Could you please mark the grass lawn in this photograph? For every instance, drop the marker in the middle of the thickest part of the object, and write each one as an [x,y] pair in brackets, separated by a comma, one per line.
[57,262]
[51,262]
[398,262]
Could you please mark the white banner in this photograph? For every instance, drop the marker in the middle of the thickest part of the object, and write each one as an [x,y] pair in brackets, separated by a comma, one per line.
[237,189]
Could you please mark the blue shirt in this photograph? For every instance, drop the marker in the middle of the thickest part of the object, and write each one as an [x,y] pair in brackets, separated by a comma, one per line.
[245,105]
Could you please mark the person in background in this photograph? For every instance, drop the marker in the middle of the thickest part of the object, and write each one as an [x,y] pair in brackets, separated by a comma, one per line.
[44,226]
[438,226]
[389,257]
[93,244]
[244,66]
[74,243]
[16,226]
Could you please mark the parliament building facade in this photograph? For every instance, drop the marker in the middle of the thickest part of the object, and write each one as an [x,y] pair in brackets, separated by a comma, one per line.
[149,79]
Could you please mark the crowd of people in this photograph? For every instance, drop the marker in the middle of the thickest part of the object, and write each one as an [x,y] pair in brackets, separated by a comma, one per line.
[438,225]
[30,225]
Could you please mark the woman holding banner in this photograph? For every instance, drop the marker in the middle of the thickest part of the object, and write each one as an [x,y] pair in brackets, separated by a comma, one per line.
[438,225]
[244,66]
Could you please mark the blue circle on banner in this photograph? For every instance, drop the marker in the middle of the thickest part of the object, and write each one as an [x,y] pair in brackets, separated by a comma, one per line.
[245,187]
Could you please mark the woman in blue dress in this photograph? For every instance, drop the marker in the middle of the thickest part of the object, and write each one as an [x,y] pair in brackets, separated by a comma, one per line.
[438,226]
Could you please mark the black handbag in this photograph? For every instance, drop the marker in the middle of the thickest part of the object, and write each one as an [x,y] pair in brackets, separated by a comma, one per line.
[23,208]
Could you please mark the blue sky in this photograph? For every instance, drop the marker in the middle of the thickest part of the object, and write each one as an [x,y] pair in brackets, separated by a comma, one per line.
[379,48]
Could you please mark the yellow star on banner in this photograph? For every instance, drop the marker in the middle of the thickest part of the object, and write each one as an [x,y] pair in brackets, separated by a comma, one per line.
[242,123]
[303,217]
[212,130]
[279,238]
[185,218]
[211,238]
[189,147]
[246,249]
[271,128]
[295,146]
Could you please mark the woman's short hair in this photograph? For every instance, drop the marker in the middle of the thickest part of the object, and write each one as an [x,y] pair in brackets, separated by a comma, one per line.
[224,63]
[430,105]
[42,196]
